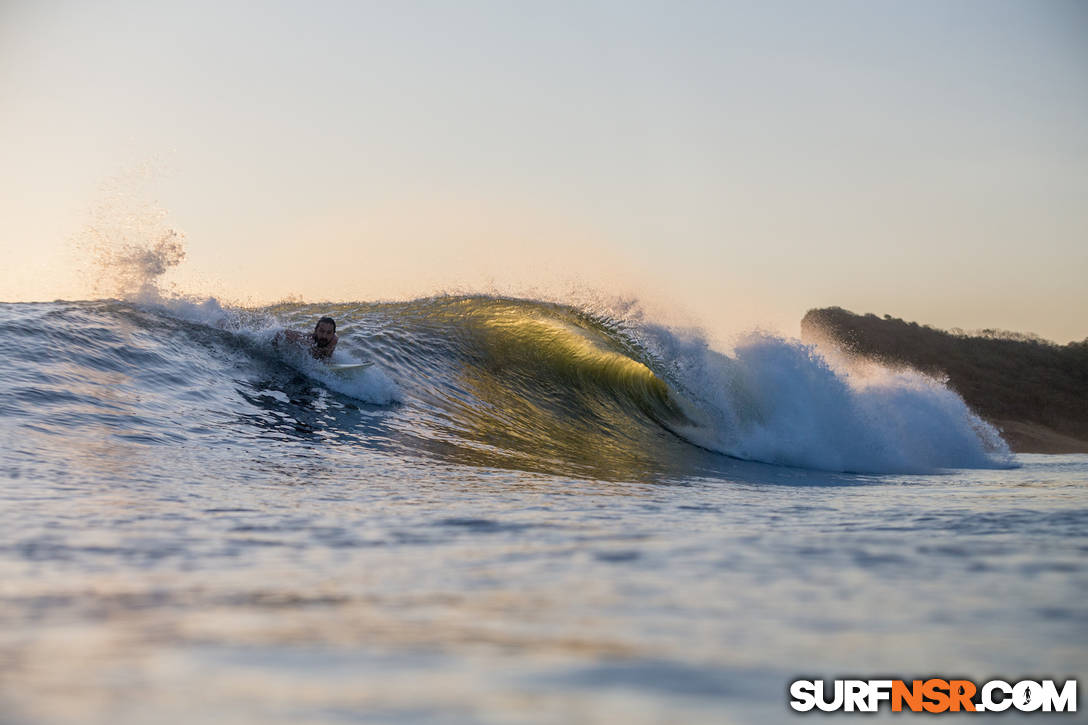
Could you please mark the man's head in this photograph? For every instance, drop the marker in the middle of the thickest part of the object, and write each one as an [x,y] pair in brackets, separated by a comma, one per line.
[325,332]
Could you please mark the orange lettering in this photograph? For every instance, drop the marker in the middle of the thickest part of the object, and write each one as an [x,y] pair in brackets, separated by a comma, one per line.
[913,695]
[932,690]
[961,692]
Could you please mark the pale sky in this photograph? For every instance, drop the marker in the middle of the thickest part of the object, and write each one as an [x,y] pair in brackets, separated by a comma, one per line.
[730,163]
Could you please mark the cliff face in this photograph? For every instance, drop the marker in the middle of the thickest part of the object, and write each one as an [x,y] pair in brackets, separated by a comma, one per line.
[1035,391]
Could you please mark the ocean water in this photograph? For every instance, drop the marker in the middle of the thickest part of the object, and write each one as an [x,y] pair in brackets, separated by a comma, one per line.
[522,512]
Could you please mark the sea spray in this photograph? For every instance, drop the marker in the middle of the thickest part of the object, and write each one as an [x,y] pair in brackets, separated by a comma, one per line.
[127,240]
[781,401]
[131,249]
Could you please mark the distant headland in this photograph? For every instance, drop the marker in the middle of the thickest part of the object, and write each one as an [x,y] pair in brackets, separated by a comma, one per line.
[1033,390]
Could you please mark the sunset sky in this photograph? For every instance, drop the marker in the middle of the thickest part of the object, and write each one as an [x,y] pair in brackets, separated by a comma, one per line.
[732,163]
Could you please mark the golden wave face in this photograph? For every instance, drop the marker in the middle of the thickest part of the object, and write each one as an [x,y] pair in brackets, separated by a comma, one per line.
[521,383]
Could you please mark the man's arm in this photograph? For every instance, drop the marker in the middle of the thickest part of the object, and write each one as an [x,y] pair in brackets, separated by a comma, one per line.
[287,336]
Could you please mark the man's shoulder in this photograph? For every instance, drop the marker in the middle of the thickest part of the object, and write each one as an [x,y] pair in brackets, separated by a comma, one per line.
[290,336]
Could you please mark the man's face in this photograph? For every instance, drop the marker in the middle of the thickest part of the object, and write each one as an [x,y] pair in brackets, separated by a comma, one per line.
[324,334]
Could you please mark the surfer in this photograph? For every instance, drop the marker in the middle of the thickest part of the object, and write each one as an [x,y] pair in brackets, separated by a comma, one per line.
[320,343]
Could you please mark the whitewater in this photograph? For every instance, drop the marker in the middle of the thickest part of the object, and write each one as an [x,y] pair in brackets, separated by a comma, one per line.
[522,511]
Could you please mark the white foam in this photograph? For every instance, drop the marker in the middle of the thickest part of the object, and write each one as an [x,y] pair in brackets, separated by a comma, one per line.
[372,385]
[781,401]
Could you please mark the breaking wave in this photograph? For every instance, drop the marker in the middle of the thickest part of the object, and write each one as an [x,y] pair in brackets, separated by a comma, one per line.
[483,380]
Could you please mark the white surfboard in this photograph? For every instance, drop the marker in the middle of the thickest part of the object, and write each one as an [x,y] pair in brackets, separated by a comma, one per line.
[348,368]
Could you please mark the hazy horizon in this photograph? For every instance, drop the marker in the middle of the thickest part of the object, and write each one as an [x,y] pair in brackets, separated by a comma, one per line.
[729,165]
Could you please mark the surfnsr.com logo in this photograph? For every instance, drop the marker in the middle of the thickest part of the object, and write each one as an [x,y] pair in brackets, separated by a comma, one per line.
[934,695]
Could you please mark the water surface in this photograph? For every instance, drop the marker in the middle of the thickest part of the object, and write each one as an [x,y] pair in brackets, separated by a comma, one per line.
[509,521]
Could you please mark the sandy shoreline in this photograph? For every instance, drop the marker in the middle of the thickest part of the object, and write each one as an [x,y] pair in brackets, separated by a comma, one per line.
[1025,437]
